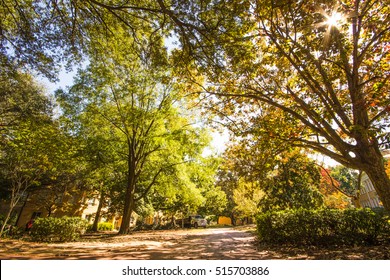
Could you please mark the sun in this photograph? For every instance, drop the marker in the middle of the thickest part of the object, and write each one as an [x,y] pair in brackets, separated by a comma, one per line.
[336,19]
[334,22]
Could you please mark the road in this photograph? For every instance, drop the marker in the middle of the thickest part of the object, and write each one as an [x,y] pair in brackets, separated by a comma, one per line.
[182,244]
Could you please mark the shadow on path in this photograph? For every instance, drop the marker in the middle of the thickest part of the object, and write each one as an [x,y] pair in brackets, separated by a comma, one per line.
[225,243]
[199,244]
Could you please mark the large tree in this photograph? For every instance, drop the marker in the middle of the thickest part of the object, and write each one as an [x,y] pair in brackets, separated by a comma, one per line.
[46,35]
[25,124]
[292,184]
[127,102]
[324,63]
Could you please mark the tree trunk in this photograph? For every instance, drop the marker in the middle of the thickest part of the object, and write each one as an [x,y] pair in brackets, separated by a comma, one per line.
[130,190]
[5,222]
[356,198]
[129,199]
[22,208]
[233,218]
[127,211]
[49,212]
[98,212]
[16,195]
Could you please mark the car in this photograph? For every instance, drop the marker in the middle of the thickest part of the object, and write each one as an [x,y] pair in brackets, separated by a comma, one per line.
[192,221]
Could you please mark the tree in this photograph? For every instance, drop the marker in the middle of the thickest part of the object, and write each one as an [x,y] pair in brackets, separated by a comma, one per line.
[125,101]
[259,182]
[329,187]
[38,35]
[323,63]
[247,196]
[227,180]
[21,100]
[31,159]
[347,178]
[292,184]
[45,35]
[26,127]
[203,174]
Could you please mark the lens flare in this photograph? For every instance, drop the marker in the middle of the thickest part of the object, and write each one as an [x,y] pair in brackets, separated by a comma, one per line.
[336,19]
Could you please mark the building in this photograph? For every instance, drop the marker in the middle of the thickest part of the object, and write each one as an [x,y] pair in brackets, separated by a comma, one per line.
[368,196]
[42,204]
[53,202]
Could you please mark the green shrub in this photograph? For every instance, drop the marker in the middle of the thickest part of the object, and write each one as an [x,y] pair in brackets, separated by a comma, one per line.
[63,229]
[324,226]
[11,231]
[105,226]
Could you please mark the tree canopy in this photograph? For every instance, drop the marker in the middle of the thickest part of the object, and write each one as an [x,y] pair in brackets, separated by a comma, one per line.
[278,74]
[323,63]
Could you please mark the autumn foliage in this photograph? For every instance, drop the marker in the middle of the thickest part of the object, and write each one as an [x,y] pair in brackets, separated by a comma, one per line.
[333,198]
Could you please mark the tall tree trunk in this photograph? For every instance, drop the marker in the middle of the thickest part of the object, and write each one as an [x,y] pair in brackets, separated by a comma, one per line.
[129,199]
[128,210]
[22,208]
[98,212]
[356,198]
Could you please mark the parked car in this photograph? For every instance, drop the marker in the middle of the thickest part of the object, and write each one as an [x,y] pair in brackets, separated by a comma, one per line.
[192,221]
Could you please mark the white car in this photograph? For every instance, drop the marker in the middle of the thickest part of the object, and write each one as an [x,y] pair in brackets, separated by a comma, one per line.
[198,221]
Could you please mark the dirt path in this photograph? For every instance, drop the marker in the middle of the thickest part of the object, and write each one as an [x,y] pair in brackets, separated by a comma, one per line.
[226,243]
[187,244]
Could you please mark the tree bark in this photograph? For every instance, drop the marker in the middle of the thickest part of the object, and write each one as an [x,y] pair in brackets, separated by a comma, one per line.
[127,211]
[98,212]
[129,198]
[15,197]
[22,208]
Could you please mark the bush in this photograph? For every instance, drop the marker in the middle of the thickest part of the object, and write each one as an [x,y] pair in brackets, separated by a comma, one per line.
[11,231]
[105,226]
[63,229]
[324,226]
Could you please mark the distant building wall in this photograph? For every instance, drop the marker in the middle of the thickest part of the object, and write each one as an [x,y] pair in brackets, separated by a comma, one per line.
[69,205]
[90,210]
[368,196]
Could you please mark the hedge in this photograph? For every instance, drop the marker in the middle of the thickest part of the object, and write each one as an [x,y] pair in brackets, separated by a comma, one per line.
[324,227]
[103,226]
[63,229]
